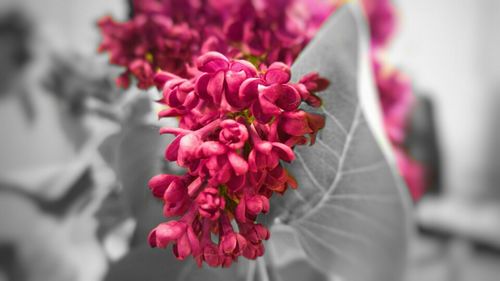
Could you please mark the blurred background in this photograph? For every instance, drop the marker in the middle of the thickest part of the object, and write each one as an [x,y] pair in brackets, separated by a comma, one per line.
[70,142]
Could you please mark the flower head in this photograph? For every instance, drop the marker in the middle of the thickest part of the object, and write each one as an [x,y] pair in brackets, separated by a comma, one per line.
[223,69]
[237,126]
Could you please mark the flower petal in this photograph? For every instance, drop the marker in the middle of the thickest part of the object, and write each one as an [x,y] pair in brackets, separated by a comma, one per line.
[289,98]
[284,151]
[277,73]
[212,62]
[249,90]
[201,86]
[159,183]
[216,86]
[240,166]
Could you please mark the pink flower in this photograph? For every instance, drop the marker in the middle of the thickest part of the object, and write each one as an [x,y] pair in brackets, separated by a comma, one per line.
[278,180]
[254,233]
[309,85]
[250,206]
[210,253]
[187,144]
[270,94]
[233,134]
[293,126]
[267,154]
[167,233]
[231,243]
[178,93]
[253,250]
[174,191]
[210,203]
[159,183]
[180,233]
[221,79]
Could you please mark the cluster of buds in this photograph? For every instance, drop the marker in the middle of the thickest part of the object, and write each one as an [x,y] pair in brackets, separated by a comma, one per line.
[237,124]
[170,34]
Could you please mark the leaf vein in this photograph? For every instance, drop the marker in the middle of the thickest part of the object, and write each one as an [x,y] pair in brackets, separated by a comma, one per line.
[338,176]
[339,124]
[309,173]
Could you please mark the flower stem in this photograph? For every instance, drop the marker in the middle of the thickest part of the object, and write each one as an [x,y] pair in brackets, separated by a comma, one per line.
[261,265]
[251,270]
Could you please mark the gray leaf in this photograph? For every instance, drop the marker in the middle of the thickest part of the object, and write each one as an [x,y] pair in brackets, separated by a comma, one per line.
[349,213]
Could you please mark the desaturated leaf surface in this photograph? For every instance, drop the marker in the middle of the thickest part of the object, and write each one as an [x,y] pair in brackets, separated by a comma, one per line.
[348,213]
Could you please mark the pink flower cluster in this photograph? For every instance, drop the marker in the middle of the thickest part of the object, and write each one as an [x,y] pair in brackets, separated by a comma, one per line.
[237,125]
[170,34]
[395,92]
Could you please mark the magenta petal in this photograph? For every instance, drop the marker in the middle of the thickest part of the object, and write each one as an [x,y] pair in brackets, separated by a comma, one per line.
[233,82]
[188,147]
[152,239]
[239,164]
[254,205]
[201,86]
[212,62]
[252,163]
[264,147]
[228,243]
[267,106]
[162,77]
[210,148]
[168,232]
[216,86]
[175,192]
[295,123]
[245,66]
[273,160]
[236,182]
[240,212]
[169,112]
[173,99]
[284,151]
[224,173]
[258,114]
[213,163]
[271,93]
[191,100]
[183,247]
[262,232]
[159,183]
[174,131]
[289,98]
[172,151]
[193,242]
[256,179]
[278,73]
[211,255]
[249,90]
[194,186]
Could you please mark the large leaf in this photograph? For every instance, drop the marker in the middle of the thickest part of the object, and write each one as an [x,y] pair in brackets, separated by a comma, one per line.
[349,213]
